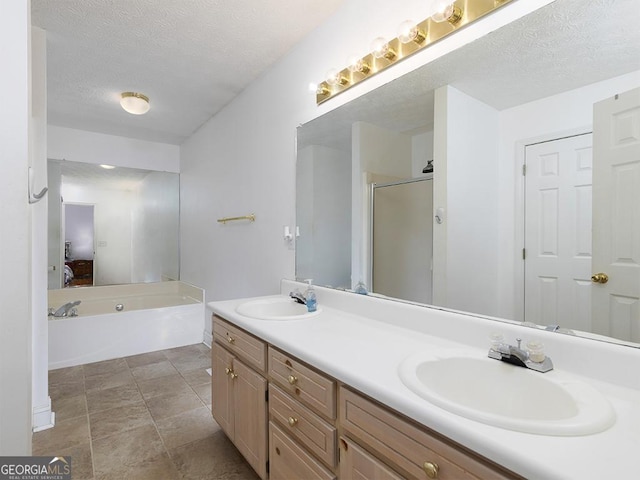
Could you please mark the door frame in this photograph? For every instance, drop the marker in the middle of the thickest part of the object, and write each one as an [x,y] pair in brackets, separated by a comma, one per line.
[520,206]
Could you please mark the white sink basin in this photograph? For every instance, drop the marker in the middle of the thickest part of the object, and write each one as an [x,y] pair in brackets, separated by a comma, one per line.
[507,396]
[275,308]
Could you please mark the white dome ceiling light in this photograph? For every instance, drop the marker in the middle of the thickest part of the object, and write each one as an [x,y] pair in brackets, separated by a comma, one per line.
[135,103]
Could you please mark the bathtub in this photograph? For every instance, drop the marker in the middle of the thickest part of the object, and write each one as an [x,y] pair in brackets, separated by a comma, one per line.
[154,316]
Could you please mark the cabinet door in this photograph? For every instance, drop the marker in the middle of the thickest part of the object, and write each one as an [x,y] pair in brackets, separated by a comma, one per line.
[222,388]
[289,461]
[250,420]
[357,464]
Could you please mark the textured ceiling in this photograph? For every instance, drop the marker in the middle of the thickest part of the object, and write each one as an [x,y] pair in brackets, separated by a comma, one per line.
[563,46]
[190,57]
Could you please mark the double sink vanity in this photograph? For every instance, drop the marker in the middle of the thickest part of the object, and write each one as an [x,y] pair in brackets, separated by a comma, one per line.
[370,388]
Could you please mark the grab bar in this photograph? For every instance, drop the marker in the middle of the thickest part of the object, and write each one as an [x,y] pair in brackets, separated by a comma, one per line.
[250,217]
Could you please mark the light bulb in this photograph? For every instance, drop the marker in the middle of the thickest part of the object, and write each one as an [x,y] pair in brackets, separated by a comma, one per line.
[335,77]
[409,32]
[447,11]
[380,49]
[358,65]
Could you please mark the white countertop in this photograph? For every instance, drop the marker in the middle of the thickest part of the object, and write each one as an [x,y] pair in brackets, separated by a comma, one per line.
[365,353]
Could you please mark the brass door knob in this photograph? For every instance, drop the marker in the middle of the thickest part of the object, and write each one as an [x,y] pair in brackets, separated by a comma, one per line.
[600,278]
[293,421]
[431,469]
[292,379]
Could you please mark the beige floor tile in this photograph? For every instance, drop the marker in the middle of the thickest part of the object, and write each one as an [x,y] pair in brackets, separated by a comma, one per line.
[182,352]
[103,381]
[164,406]
[69,407]
[192,362]
[212,457]
[197,377]
[66,375]
[81,461]
[171,384]
[99,400]
[187,427]
[145,359]
[156,468]
[120,452]
[153,370]
[204,392]
[107,366]
[120,419]
[64,435]
[58,391]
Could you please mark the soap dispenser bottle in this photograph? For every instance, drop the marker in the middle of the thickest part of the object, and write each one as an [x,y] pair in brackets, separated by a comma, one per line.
[310,297]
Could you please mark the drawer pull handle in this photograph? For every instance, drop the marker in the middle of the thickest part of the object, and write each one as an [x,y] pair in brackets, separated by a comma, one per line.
[431,469]
[231,340]
[293,421]
[292,380]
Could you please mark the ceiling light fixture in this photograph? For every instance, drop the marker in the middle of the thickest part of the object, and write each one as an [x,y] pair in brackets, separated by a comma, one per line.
[134,103]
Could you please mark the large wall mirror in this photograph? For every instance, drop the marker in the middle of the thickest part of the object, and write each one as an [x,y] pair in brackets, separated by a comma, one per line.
[111,225]
[508,223]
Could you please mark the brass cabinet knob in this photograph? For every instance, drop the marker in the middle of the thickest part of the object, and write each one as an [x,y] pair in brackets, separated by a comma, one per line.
[228,371]
[292,380]
[231,339]
[233,375]
[600,278]
[293,421]
[431,469]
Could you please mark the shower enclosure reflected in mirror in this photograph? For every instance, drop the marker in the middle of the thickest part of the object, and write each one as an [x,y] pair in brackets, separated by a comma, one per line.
[477,112]
[111,226]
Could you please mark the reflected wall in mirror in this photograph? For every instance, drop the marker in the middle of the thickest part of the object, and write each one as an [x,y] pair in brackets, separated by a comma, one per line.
[522,95]
[112,226]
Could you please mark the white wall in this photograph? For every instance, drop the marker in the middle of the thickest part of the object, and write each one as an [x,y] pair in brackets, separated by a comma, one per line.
[15,234]
[466,186]
[98,148]
[324,216]
[551,117]
[155,229]
[243,159]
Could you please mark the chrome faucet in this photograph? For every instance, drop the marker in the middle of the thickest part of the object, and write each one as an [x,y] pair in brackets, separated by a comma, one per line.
[67,310]
[520,357]
[298,297]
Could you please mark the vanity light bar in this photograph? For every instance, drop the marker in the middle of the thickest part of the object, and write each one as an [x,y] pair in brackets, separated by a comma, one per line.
[429,31]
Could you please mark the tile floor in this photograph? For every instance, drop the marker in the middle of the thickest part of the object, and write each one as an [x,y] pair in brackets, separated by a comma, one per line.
[141,417]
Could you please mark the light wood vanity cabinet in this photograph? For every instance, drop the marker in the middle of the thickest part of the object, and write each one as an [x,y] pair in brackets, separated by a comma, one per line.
[239,390]
[411,449]
[314,428]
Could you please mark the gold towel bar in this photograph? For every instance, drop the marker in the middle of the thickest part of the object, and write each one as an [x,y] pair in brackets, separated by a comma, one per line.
[251,218]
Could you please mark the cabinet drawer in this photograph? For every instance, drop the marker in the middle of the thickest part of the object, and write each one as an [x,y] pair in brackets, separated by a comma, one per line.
[305,426]
[288,461]
[408,447]
[303,383]
[249,348]
[357,463]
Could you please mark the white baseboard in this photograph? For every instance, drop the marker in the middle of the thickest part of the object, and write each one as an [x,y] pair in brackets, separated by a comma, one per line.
[207,338]
[43,417]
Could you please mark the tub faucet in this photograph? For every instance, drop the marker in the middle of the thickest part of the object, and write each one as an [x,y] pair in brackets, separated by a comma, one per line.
[520,357]
[298,297]
[67,310]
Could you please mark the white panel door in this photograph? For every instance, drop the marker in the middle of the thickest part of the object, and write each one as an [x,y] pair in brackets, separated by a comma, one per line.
[558,232]
[616,216]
